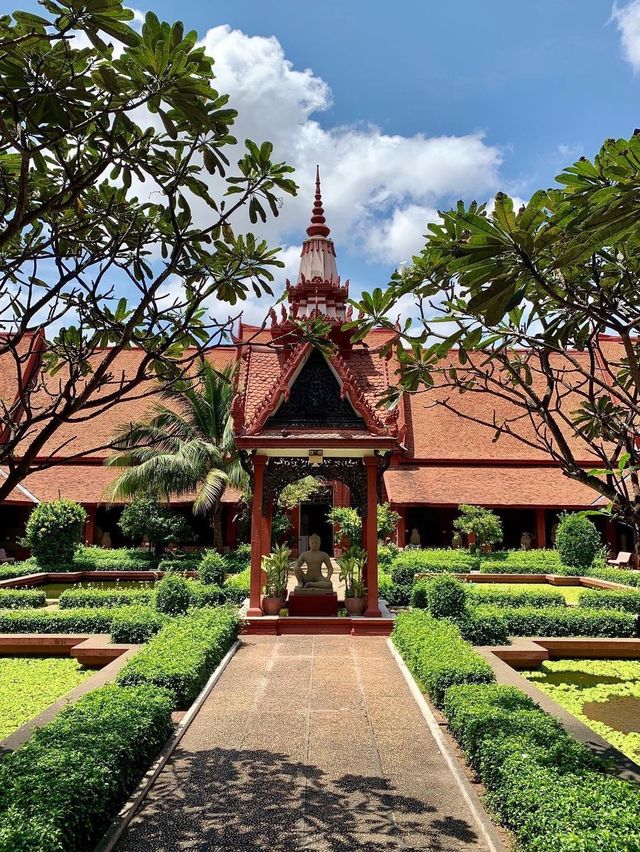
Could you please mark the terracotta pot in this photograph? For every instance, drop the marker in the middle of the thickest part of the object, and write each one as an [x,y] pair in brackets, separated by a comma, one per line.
[272,606]
[354,606]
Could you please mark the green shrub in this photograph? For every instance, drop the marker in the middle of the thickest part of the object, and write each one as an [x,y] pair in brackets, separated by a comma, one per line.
[625,599]
[478,593]
[446,597]
[238,560]
[89,620]
[483,523]
[577,541]
[436,561]
[20,569]
[135,625]
[542,783]
[236,587]
[94,597]
[54,530]
[615,575]
[212,569]
[204,595]
[188,562]
[22,598]
[184,654]
[172,595]
[561,621]
[113,559]
[437,654]
[522,562]
[486,629]
[59,791]
[386,555]
[146,517]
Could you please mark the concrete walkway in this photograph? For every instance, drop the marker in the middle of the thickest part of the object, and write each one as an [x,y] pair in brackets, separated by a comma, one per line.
[306,743]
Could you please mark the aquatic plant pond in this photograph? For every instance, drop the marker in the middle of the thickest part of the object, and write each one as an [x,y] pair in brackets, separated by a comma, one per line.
[604,694]
[29,684]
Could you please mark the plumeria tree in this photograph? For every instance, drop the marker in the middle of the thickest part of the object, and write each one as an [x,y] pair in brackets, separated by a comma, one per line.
[538,307]
[107,138]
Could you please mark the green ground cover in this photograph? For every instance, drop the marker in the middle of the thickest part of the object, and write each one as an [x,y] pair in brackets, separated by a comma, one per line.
[604,694]
[29,684]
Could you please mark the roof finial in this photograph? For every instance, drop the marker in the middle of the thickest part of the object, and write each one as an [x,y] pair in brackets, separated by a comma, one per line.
[318,226]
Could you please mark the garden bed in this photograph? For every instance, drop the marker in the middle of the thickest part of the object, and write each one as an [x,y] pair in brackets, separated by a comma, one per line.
[30,684]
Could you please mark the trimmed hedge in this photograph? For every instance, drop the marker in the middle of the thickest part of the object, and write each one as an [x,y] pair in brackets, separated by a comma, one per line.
[478,593]
[625,599]
[104,598]
[542,784]
[22,598]
[238,560]
[111,559]
[88,620]
[486,629]
[59,791]
[135,625]
[523,562]
[436,561]
[236,588]
[190,562]
[184,654]
[20,569]
[204,594]
[437,654]
[616,575]
[560,621]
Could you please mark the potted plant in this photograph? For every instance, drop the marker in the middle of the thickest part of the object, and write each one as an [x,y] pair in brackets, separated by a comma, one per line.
[276,569]
[352,564]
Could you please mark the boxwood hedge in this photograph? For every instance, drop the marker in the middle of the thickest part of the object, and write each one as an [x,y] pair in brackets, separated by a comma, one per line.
[87,620]
[104,598]
[437,654]
[616,575]
[22,598]
[435,561]
[494,594]
[135,625]
[561,621]
[523,562]
[59,791]
[544,785]
[184,653]
[625,599]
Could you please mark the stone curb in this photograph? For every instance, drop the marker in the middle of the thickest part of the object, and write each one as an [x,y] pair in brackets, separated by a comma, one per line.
[120,823]
[487,829]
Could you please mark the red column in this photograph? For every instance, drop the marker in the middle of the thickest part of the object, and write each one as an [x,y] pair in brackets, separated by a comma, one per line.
[401,528]
[541,529]
[373,609]
[259,463]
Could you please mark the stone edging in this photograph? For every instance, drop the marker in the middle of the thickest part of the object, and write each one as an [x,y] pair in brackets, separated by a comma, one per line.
[486,827]
[120,823]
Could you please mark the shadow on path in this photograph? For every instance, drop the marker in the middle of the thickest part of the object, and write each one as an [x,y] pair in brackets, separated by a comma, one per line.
[261,800]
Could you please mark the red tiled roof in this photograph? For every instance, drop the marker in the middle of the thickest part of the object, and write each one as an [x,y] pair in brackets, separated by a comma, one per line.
[485,485]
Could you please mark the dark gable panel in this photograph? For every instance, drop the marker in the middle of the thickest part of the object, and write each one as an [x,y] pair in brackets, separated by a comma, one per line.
[315,400]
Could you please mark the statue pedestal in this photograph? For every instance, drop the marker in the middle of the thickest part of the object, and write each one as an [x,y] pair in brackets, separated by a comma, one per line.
[314,605]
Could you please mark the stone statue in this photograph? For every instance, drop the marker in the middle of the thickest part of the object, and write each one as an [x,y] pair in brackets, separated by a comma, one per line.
[312,581]
[414,538]
[456,541]
[526,541]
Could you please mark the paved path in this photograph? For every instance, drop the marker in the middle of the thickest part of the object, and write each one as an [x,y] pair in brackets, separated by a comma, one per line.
[306,743]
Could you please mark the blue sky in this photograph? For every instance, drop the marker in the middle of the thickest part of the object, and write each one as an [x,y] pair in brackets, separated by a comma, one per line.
[408,106]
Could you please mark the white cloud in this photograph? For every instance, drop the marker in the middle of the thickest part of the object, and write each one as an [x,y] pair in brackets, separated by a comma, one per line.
[379,189]
[627,19]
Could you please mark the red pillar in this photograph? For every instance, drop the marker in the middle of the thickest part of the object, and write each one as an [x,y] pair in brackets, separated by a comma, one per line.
[90,526]
[373,609]
[541,529]
[401,528]
[259,463]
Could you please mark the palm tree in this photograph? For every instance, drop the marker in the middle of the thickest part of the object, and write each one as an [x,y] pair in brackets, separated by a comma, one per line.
[186,446]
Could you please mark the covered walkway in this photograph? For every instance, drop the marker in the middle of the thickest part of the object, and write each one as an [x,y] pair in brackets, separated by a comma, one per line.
[306,743]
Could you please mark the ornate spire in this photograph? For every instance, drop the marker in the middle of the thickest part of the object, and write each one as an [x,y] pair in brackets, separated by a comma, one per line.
[318,226]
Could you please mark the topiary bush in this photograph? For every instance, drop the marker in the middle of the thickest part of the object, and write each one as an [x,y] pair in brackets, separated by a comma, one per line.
[172,595]
[212,569]
[184,654]
[577,541]
[238,560]
[236,588]
[437,654]
[54,530]
[22,598]
[59,791]
[446,597]
[625,599]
